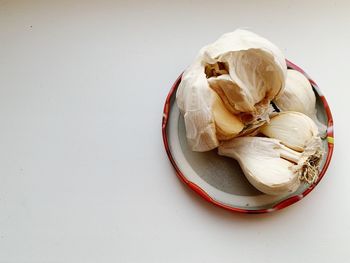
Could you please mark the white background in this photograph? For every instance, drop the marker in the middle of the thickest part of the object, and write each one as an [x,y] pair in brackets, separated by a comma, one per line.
[83,172]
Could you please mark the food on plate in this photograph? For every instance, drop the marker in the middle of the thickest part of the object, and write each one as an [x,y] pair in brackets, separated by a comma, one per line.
[226,97]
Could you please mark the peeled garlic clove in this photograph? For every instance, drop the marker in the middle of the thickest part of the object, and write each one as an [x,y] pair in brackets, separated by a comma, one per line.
[252,69]
[264,162]
[293,129]
[298,96]
[227,124]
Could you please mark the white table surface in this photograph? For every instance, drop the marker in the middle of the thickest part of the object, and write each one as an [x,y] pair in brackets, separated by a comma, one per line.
[83,172]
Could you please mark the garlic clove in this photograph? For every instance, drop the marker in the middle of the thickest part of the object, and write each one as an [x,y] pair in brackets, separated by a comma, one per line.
[228,92]
[299,96]
[293,129]
[227,124]
[263,161]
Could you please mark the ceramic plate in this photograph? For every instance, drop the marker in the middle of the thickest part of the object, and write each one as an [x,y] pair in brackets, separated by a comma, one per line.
[219,179]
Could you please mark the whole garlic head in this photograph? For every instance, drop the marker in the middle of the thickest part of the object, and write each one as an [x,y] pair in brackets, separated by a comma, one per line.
[246,71]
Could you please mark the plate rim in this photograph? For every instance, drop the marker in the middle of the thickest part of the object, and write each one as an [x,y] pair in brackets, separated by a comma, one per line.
[282,204]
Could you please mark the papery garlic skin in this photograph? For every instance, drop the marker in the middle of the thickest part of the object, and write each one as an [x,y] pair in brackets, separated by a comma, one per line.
[245,70]
[299,96]
[263,163]
[194,99]
[255,72]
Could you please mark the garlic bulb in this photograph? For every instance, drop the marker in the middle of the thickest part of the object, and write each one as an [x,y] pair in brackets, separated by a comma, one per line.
[299,96]
[246,71]
[227,125]
[277,165]
[264,162]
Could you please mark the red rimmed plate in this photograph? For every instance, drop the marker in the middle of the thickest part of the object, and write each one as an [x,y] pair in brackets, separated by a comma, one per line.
[219,179]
